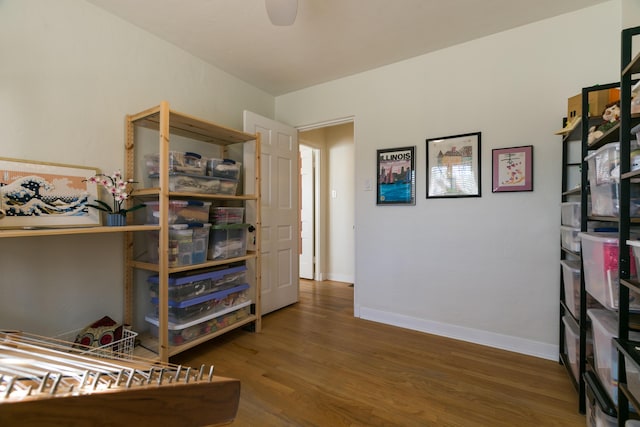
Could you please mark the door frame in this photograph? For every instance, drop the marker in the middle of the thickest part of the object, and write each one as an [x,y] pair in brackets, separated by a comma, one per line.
[316,204]
[322,190]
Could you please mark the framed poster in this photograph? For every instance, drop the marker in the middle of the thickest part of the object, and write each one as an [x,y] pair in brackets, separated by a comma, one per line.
[453,166]
[396,183]
[512,169]
[38,194]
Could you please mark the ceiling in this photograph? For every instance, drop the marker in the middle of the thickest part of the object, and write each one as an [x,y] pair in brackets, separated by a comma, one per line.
[330,38]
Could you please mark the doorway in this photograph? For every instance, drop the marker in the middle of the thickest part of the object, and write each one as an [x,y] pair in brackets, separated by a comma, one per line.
[327,201]
[309,204]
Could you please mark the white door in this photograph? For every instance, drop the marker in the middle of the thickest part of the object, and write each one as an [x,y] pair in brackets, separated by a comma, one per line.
[307,195]
[279,210]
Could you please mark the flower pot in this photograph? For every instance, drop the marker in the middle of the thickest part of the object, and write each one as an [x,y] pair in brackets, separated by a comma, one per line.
[115,219]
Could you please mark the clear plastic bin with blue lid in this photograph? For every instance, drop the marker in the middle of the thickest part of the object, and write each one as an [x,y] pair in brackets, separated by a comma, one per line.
[205,304]
[188,285]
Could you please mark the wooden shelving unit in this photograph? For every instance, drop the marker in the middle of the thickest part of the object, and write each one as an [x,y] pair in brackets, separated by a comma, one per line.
[35,232]
[170,123]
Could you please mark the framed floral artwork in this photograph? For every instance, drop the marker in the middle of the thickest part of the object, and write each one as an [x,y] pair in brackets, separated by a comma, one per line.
[512,169]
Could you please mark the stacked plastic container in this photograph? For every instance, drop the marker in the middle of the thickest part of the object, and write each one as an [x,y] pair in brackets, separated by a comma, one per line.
[605,329]
[600,255]
[572,340]
[600,263]
[595,417]
[570,241]
[193,173]
[604,182]
[570,226]
[188,232]
[571,281]
[201,302]
[631,367]
[228,233]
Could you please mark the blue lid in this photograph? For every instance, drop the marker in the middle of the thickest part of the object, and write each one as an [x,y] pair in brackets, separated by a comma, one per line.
[204,298]
[184,278]
[606,229]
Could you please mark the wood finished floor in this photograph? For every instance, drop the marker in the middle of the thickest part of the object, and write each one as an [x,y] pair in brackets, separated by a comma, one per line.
[314,364]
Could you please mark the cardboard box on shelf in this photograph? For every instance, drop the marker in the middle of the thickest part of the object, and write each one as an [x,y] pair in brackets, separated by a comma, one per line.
[598,100]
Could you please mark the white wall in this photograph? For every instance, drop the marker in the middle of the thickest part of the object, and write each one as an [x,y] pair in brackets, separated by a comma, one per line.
[69,73]
[630,13]
[341,232]
[480,269]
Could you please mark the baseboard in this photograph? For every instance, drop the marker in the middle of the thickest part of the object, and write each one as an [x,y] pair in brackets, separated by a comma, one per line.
[476,336]
[340,278]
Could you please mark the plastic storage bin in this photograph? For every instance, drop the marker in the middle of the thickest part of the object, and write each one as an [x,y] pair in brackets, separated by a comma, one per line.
[185,183]
[633,377]
[202,305]
[605,329]
[223,168]
[188,244]
[594,415]
[227,215]
[600,265]
[180,211]
[200,243]
[228,241]
[634,246]
[181,333]
[182,162]
[571,284]
[636,131]
[572,341]
[569,238]
[570,214]
[188,285]
[604,181]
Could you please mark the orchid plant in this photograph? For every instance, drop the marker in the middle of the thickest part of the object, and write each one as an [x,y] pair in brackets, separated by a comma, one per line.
[119,188]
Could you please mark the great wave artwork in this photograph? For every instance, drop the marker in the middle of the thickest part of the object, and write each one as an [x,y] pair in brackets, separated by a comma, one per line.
[34,194]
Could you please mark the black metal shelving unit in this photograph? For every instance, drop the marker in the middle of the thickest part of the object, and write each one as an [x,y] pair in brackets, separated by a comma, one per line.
[579,135]
[589,376]
[571,192]
[627,350]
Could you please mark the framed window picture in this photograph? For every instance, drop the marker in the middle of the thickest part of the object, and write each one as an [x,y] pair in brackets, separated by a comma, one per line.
[396,183]
[512,169]
[453,166]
